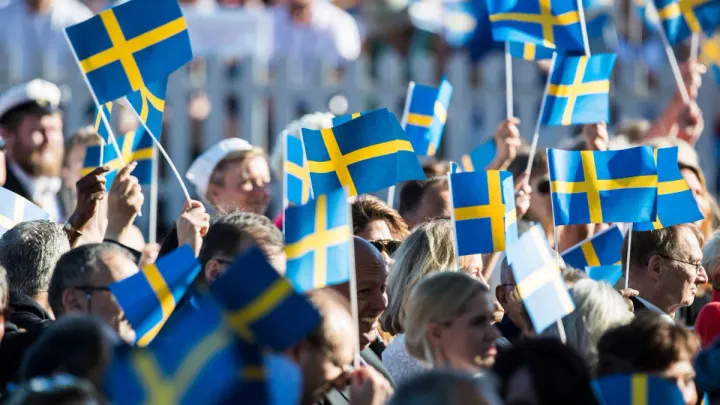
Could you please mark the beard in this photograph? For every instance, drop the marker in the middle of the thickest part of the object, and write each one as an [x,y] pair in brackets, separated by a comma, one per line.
[39,162]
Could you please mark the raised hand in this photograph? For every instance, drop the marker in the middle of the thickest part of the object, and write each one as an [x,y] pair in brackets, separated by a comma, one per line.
[192,225]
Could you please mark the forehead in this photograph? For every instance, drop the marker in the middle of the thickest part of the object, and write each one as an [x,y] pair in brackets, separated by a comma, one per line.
[689,243]
[370,266]
[117,266]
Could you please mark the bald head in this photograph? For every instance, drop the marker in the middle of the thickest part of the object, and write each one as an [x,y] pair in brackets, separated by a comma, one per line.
[336,323]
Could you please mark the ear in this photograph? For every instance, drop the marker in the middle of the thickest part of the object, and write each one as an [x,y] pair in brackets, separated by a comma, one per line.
[500,295]
[434,334]
[655,266]
[212,270]
[71,301]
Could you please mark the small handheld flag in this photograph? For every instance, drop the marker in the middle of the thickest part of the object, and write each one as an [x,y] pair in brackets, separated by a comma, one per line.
[530,51]
[425,114]
[609,274]
[129,46]
[483,211]
[261,306]
[579,90]
[367,154]
[632,389]
[149,104]
[675,202]
[681,18]
[317,242]
[555,24]
[595,187]
[98,123]
[599,250]
[15,209]
[480,157]
[297,174]
[135,146]
[149,297]
[539,280]
[197,364]
[341,119]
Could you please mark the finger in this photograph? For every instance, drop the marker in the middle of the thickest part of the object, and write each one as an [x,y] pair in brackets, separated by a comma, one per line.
[514,120]
[125,171]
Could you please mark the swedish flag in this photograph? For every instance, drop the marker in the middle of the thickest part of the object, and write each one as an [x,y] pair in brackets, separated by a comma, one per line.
[425,115]
[483,211]
[261,306]
[480,157]
[579,90]
[341,119]
[367,154]
[98,123]
[530,51]
[675,202]
[149,104]
[135,146]
[711,55]
[126,47]
[681,18]
[297,174]
[551,23]
[636,389]
[595,187]
[609,274]
[197,364]
[317,242]
[149,297]
[539,280]
[599,250]
[15,209]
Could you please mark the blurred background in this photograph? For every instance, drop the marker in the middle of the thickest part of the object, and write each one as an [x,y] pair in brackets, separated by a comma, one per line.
[261,64]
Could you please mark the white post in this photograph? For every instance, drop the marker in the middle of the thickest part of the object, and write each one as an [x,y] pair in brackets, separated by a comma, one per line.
[627,259]
[536,134]
[508,81]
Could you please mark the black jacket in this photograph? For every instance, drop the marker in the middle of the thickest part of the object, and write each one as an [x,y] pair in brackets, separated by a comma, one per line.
[27,314]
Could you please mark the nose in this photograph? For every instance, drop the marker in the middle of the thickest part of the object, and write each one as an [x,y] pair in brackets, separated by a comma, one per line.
[701,277]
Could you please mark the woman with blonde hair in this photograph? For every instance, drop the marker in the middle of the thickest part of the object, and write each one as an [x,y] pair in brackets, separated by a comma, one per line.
[450,323]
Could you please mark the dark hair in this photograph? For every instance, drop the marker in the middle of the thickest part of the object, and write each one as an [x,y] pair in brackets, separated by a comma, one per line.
[409,199]
[664,241]
[56,390]
[235,228]
[559,375]
[75,268]
[648,344]
[12,118]
[74,344]
[368,208]
[519,164]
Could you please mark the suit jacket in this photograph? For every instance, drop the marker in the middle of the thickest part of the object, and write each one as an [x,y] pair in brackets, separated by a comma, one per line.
[66,197]
[336,397]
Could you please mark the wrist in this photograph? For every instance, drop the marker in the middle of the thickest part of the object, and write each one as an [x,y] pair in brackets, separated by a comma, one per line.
[118,229]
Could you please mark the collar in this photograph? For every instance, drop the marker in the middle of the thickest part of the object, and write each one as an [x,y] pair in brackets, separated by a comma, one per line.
[651,307]
[37,187]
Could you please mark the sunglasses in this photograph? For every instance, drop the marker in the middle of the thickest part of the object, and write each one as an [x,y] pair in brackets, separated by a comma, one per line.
[542,186]
[388,246]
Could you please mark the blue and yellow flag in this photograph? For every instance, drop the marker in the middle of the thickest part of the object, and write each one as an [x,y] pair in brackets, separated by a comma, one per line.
[682,18]
[341,119]
[367,154]
[530,51]
[149,297]
[317,242]
[425,115]
[551,23]
[599,250]
[480,157]
[197,364]
[634,389]
[595,187]
[675,202]
[297,174]
[711,55]
[98,123]
[579,90]
[539,280]
[261,306]
[483,211]
[149,104]
[15,209]
[609,274]
[135,146]
[131,45]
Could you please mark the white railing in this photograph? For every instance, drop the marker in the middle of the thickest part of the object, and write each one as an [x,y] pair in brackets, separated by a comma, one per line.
[268,99]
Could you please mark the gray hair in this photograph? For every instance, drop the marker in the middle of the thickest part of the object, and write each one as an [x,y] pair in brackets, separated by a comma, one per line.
[3,286]
[598,308]
[440,387]
[711,252]
[29,252]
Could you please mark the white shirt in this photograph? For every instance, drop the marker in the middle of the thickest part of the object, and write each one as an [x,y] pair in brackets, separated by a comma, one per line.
[26,37]
[43,191]
[649,306]
[398,362]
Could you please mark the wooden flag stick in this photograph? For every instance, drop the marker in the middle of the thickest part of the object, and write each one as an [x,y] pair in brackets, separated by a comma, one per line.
[452,216]
[536,134]
[508,82]
[627,259]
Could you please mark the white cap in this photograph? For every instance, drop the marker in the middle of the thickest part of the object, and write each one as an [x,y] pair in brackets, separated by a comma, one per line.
[44,93]
[203,166]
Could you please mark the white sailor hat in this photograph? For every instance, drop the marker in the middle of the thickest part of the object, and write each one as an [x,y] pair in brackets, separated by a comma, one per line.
[203,166]
[36,94]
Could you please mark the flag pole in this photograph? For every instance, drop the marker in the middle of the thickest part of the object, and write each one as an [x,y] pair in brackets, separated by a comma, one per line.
[694,46]
[671,57]
[536,134]
[583,27]
[508,82]
[165,155]
[627,259]
[403,123]
[452,216]
[353,286]
[152,229]
[558,323]
[285,181]
[99,106]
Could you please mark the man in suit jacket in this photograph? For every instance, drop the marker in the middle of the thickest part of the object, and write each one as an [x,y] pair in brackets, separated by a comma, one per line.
[31,127]
[665,268]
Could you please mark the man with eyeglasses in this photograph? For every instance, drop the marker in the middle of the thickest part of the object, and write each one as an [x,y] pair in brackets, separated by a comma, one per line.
[665,268]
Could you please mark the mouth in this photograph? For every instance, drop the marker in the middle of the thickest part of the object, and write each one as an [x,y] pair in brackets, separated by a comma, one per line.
[369,322]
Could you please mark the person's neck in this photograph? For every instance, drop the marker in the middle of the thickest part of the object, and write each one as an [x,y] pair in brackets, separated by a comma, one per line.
[42,298]
[39,6]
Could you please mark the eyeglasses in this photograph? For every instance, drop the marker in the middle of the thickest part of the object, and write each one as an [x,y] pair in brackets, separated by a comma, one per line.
[89,290]
[543,186]
[388,246]
[697,266]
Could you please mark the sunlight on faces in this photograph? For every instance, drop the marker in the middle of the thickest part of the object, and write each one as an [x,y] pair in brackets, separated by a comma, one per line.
[375,230]
[677,281]
[37,144]
[245,186]
[540,204]
[435,202]
[683,373]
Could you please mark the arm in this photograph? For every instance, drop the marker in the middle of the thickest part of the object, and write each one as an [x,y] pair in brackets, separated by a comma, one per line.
[125,200]
[192,225]
[507,139]
[90,191]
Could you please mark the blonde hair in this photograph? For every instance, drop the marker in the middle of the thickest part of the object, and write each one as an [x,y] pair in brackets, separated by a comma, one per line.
[440,298]
[428,249]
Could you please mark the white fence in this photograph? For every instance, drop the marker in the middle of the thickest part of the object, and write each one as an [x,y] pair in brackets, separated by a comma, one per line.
[268,99]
